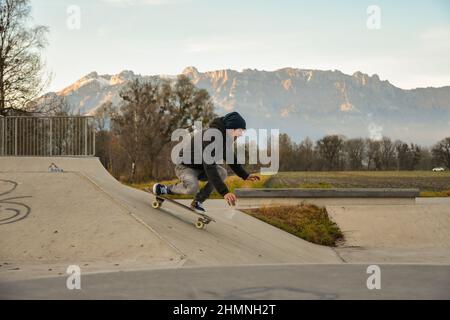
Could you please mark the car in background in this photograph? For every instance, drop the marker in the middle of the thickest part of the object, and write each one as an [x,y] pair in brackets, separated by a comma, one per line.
[439,169]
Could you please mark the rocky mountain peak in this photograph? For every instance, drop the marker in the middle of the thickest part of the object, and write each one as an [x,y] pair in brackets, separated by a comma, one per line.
[301,102]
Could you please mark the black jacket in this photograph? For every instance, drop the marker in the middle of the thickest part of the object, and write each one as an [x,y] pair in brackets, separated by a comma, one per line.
[210,170]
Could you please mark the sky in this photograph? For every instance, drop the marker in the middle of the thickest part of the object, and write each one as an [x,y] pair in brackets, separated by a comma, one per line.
[404,41]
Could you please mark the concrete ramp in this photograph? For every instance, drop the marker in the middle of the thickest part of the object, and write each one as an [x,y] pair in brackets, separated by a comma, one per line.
[399,233]
[83,216]
[49,221]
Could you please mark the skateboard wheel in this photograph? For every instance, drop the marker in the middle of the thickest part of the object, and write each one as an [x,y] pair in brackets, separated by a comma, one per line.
[156,204]
[199,224]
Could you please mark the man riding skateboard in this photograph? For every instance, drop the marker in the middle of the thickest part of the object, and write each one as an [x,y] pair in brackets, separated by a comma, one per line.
[190,173]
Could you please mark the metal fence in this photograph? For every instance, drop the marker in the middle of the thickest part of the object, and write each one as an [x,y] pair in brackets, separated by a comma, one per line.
[47,136]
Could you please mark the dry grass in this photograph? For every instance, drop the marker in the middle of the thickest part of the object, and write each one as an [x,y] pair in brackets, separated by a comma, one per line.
[306,221]
[425,181]
[232,182]
[320,185]
[444,193]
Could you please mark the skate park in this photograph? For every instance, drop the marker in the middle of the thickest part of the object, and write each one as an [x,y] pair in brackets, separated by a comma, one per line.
[167,150]
[80,215]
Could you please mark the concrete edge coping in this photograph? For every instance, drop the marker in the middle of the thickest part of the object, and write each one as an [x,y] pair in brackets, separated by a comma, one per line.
[327,193]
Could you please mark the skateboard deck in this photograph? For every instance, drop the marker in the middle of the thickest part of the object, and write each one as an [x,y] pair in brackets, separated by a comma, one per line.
[157,203]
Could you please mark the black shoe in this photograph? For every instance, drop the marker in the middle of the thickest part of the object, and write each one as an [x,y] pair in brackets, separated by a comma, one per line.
[198,206]
[160,189]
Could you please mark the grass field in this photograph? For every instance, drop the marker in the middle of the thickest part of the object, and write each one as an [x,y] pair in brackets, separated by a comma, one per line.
[430,184]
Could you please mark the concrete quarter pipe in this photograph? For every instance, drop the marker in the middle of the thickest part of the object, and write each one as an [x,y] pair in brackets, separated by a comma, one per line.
[83,215]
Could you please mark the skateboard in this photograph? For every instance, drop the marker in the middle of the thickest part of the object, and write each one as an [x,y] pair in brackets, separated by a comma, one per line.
[157,203]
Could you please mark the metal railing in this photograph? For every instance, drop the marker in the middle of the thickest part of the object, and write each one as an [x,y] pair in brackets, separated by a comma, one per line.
[47,136]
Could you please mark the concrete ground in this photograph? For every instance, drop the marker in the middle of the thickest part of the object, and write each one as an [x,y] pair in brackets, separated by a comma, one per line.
[127,249]
[418,233]
[295,281]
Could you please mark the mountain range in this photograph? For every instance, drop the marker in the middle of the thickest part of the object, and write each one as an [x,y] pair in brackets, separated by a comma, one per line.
[299,102]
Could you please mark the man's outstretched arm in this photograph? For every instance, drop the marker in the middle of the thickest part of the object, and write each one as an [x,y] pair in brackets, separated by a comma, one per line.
[239,170]
[214,177]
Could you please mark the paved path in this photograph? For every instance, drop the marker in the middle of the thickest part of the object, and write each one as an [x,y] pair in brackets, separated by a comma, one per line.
[344,281]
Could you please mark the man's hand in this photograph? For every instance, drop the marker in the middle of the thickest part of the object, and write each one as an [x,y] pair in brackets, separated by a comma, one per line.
[230,198]
[252,177]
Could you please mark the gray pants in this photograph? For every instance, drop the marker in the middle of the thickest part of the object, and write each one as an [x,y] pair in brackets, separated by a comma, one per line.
[189,182]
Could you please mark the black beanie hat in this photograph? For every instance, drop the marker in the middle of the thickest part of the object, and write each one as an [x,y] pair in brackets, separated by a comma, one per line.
[234,120]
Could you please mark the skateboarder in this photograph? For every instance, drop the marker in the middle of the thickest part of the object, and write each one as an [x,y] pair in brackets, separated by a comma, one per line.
[190,174]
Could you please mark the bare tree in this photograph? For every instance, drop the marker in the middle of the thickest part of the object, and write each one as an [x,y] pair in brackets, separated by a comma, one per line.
[373,154]
[416,154]
[387,150]
[355,153]
[441,152]
[51,105]
[152,111]
[103,115]
[103,136]
[426,160]
[287,150]
[330,150]
[20,61]
[306,154]
[408,157]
